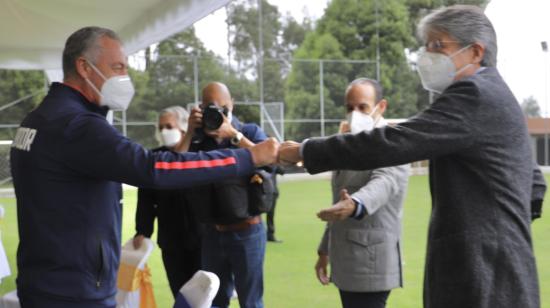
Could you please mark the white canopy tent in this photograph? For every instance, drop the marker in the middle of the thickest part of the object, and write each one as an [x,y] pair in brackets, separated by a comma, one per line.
[34,31]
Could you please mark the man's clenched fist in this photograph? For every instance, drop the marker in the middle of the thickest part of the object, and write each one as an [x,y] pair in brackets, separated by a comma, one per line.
[265,153]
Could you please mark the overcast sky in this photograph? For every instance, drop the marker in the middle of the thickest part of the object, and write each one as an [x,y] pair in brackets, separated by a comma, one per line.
[217,40]
[520,26]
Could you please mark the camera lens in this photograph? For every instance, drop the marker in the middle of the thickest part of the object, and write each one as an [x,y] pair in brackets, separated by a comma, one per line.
[212,117]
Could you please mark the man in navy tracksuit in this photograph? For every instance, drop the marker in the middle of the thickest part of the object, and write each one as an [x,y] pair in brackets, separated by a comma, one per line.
[67,165]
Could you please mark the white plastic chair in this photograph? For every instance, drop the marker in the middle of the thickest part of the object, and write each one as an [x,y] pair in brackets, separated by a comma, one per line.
[133,258]
[4,265]
[10,300]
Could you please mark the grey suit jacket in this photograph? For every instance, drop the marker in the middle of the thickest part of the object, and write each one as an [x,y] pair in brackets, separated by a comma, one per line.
[365,255]
[481,175]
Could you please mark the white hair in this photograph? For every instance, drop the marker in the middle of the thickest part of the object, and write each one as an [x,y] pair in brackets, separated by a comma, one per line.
[180,113]
[468,24]
[182,117]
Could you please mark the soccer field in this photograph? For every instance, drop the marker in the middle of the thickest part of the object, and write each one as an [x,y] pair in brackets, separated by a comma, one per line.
[289,276]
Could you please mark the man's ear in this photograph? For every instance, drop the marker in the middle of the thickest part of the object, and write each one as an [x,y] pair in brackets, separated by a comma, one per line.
[478,52]
[382,105]
[82,68]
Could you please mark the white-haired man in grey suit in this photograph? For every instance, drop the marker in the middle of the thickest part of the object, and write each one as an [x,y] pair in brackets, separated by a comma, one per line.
[362,238]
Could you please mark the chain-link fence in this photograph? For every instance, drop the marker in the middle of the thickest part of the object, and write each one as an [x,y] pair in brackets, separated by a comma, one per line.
[298,98]
[5,173]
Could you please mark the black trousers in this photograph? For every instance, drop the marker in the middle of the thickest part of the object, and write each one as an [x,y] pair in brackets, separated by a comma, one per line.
[180,265]
[270,218]
[364,299]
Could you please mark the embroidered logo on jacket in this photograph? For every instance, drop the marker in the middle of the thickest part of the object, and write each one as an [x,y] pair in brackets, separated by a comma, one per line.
[24,138]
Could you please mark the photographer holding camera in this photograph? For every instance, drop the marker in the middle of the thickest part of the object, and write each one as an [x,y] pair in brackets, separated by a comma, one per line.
[234,241]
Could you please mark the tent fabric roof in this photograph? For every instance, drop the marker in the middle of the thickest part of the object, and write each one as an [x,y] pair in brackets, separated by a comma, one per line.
[34,31]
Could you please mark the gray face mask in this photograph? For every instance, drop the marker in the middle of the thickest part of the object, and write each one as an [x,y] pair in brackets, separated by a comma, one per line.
[437,70]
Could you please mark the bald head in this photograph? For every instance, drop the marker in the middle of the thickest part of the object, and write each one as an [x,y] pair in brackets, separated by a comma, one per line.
[217,92]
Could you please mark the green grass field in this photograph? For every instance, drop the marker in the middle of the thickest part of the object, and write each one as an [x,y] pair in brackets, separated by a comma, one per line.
[289,277]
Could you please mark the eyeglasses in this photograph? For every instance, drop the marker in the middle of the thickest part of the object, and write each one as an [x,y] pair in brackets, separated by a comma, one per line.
[437,45]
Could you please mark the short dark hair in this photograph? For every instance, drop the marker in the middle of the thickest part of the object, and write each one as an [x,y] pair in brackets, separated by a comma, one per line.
[375,84]
[83,42]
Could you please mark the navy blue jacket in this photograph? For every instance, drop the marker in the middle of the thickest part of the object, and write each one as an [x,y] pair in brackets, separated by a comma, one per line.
[67,164]
[177,224]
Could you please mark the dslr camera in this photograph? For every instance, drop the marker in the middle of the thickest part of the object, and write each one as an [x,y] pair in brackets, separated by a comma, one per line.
[212,116]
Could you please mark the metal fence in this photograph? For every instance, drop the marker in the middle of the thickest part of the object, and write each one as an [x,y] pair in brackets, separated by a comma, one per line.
[5,174]
[316,110]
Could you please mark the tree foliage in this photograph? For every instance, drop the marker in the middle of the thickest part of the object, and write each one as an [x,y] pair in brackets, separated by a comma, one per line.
[348,30]
[15,85]
[531,107]
[280,36]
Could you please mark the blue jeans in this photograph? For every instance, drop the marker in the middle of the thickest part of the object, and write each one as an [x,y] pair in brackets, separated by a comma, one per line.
[41,301]
[237,258]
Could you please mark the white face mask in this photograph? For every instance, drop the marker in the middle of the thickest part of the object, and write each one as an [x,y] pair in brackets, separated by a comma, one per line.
[437,70]
[170,137]
[359,121]
[116,93]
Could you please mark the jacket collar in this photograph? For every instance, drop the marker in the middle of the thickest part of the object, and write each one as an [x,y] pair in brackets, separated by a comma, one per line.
[73,95]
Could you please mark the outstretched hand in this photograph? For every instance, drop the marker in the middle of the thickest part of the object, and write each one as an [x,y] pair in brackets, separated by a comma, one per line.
[289,153]
[265,153]
[339,211]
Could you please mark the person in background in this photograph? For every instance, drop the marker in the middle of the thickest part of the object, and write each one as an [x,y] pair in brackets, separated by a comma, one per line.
[234,242]
[362,239]
[270,216]
[179,233]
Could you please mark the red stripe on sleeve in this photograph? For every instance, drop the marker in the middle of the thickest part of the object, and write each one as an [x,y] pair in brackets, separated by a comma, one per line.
[179,165]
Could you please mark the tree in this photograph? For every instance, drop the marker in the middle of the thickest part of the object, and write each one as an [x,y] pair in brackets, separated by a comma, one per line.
[348,30]
[302,91]
[14,85]
[280,37]
[169,80]
[531,107]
